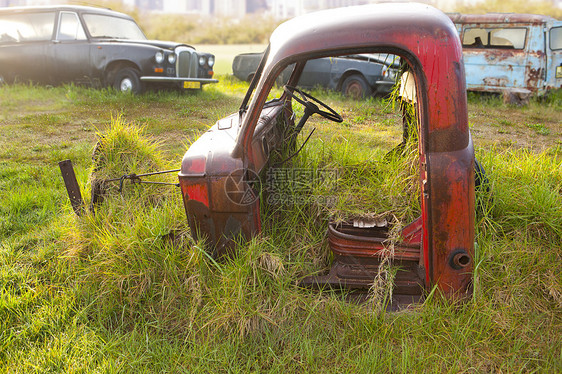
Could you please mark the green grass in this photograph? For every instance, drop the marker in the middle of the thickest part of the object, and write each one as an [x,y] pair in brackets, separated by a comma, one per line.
[127,289]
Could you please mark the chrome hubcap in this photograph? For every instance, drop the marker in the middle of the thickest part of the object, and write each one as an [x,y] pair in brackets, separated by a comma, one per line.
[126,85]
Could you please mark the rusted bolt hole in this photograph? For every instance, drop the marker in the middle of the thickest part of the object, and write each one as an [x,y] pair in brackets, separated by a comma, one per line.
[460,259]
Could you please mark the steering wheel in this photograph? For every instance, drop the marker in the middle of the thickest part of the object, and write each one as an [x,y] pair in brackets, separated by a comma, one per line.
[310,104]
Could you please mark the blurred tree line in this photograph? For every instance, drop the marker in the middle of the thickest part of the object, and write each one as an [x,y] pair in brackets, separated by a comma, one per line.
[192,29]
[256,28]
[513,6]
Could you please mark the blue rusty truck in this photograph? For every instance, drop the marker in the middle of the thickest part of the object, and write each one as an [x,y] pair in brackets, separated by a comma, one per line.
[515,54]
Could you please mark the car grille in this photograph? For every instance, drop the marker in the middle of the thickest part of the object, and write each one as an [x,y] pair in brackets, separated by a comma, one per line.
[187,64]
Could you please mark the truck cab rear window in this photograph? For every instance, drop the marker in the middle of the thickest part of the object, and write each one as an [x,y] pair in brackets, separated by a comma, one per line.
[504,38]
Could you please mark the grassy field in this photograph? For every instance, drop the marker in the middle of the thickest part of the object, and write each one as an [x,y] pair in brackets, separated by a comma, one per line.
[129,290]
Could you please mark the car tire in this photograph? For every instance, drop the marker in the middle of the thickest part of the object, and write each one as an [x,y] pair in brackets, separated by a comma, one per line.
[127,80]
[482,189]
[356,86]
[481,181]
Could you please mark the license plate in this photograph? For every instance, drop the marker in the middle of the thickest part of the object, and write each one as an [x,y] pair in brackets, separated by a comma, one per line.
[559,72]
[191,84]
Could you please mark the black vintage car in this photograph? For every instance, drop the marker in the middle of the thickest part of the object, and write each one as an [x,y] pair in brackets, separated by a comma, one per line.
[54,45]
[357,75]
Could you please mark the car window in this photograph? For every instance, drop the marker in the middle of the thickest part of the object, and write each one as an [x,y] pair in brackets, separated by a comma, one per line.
[26,27]
[507,38]
[70,27]
[556,38]
[384,58]
[103,26]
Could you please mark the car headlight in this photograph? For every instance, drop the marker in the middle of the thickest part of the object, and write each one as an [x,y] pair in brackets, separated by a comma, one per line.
[172,58]
[211,61]
[202,60]
[159,57]
[388,72]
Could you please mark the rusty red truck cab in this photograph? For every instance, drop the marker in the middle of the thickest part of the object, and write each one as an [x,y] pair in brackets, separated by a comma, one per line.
[437,249]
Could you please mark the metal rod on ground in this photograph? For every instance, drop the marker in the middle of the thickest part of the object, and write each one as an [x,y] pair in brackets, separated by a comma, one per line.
[143,175]
[72,186]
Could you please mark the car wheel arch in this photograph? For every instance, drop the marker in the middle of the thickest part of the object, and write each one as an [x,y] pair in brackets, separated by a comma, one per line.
[113,67]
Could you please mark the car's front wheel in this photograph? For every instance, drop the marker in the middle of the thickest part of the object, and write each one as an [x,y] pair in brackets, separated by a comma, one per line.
[356,86]
[127,80]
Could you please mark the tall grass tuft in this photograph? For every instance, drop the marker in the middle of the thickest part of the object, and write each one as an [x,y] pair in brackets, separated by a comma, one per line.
[130,249]
[124,150]
[526,192]
[520,233]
